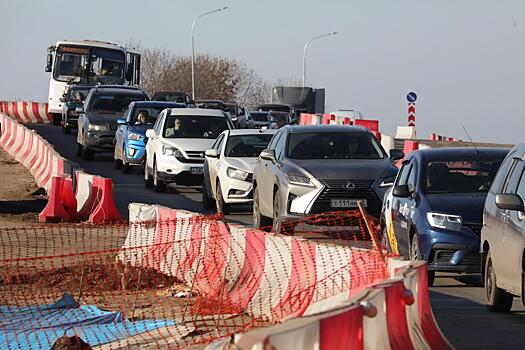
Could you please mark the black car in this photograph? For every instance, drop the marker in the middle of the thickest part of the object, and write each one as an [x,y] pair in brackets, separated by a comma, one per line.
[73,98]
[171,96]
[97,122]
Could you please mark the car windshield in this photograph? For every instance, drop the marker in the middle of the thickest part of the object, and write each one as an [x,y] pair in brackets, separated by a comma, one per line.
[145,115]
[333,145]
[89,64]
[170,97]
[259,117]
[78,95]
[460,176]
[247,145]
[194,126]
[280,117]
[114,103]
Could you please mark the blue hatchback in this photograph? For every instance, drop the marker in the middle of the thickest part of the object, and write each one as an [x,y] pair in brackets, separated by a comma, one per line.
[434,210]
[130,138]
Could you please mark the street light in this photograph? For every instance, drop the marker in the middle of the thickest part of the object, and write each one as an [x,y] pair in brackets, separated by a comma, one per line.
[193,47]
[304,52]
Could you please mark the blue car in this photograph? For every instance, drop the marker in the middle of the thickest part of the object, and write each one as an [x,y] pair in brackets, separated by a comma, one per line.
[434,210]
[130,138]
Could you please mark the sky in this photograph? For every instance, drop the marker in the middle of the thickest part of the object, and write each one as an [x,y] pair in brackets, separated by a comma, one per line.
[464,58]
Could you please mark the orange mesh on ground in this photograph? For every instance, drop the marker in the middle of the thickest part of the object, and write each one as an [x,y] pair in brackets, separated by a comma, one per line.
[210,278]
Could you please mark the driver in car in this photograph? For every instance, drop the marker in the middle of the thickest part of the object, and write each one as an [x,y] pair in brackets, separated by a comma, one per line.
[142,118]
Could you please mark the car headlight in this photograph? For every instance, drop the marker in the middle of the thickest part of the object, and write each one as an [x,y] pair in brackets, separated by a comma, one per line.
[299,180]
[171,151]
[95,127]
[134,136]
[237,174]
[445,221]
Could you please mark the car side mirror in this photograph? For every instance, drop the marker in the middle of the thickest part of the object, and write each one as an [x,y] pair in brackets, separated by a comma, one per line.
[509,202]
[211,153]
[268,154]
[121,121]
[396,154]
[79,109]
[401,191]
[150,134]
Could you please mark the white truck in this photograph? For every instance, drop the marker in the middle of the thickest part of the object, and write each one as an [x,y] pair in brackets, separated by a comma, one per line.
[88,62]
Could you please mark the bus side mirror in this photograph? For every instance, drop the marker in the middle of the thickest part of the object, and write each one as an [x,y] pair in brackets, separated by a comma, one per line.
[129,73]
[49,63]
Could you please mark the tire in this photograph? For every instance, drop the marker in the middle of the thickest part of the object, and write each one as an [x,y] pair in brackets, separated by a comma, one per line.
[127,168]
[148,179]
[415,254]
[79,149]
[66,130]
[57,119]
[87,154]
[222,207]
[118,163]
[259,220]
[158,185]
[497,299]
[207,202]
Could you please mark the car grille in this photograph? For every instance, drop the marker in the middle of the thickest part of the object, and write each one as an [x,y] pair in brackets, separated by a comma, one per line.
[194,157]
[334,190]
[476,228]
[444,256]
[113,126]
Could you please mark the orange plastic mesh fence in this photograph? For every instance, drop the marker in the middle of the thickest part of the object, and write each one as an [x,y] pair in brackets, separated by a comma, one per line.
[192,279]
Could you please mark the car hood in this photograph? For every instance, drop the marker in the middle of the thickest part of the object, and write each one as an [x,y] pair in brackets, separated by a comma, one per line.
[342,168]
[139,129]
[190,144]
[246,164]
[103,118]
[468,205]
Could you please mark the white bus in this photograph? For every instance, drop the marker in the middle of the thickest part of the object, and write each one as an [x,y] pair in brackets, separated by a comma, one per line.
[88,62]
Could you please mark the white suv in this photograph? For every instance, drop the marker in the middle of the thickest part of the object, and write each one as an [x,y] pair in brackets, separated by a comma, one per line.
[176,145]
[228,168]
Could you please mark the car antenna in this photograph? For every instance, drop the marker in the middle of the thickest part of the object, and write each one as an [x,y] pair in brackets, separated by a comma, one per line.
[472,142]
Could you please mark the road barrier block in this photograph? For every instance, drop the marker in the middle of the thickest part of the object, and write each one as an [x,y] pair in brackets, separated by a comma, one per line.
[68,197]
[54,210]
[106,210]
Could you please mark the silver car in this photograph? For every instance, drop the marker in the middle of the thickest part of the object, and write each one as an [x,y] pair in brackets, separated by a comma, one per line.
[503,234]
[314,169]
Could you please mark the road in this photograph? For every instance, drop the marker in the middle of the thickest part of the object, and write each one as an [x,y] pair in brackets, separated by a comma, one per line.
[458,302]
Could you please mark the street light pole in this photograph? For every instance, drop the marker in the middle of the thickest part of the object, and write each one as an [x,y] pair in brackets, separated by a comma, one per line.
[193,47]
[304,52]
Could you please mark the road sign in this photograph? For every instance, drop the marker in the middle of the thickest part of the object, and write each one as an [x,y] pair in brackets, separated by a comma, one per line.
[411,97]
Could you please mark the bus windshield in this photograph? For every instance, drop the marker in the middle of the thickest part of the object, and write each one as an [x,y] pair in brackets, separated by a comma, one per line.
[82,64]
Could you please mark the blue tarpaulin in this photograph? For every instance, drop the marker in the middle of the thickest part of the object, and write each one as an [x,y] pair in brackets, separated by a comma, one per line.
[37,327]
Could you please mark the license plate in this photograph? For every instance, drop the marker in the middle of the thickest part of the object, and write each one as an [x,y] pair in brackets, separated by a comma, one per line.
[346,203]
[196,171]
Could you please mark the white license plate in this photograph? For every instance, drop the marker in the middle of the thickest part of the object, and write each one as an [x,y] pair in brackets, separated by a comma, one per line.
[196,171]
[346,203]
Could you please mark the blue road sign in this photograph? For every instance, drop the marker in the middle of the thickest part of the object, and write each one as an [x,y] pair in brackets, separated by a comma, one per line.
[411,97]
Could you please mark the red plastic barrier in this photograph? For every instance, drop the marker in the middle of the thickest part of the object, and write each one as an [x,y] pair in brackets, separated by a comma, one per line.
[106,210]
[54,210]
[68,197]
[396,300]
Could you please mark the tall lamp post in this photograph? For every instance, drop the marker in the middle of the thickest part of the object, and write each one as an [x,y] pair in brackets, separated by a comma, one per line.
[304,52]
[193,47]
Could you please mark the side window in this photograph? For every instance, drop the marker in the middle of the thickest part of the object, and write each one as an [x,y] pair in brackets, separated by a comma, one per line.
[274,141]
[158,124]
[521,186]
[412,178]
[279,147]
[511,184]
[403,174]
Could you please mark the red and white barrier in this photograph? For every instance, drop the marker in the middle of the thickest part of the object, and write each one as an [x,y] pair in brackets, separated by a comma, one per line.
[26,112]
[309,119]
[267,275]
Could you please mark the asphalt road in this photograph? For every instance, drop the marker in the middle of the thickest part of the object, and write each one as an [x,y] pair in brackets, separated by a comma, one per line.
[458,302]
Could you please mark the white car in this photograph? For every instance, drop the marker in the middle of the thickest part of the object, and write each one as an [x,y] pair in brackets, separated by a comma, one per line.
[228,168]
[176,145]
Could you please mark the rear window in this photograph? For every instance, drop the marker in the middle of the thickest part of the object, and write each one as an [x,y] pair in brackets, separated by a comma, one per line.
[114,103]
[260,117]
[460,176]
[247,145]
[196,127]
[333,145]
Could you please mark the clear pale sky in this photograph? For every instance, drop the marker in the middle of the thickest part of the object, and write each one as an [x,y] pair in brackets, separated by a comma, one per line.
[464,58]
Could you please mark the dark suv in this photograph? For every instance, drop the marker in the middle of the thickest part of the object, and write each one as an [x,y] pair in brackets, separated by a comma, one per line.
[74,98]
[97,122]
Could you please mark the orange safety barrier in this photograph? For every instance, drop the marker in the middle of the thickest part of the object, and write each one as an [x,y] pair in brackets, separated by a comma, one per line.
[54,210]
[105,210]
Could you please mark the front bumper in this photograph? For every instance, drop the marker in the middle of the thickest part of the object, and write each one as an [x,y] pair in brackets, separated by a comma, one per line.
[237,191]
[135,152]
[448,251]
[100,142]
[171,169]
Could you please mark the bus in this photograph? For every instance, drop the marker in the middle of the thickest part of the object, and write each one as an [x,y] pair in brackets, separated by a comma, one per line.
[88,62]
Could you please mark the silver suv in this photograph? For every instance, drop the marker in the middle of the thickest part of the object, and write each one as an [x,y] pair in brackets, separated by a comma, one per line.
[314,169]
[503,233]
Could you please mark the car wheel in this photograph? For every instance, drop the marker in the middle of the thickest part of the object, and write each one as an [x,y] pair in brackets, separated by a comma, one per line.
[118,164]
[66,130]
[259,221]
[277,220]
[207,202]
[158,184]
[127,168]
[385,241]
[57,119]
[222,207]
[415,254]
[87,154]
[148,179]
[498,300]
[79,149]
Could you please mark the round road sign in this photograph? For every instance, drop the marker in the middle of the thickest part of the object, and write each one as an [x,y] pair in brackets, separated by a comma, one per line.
[411,97]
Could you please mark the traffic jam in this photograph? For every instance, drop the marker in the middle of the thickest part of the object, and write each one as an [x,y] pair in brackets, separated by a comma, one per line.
[446,206]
